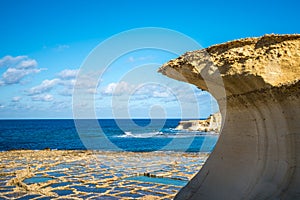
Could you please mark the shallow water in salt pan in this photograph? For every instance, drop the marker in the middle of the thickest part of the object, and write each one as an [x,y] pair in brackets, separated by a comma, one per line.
[87,178]
[37,180]
[166,181]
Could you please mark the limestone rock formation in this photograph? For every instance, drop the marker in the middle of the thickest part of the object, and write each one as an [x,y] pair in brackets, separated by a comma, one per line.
[256,83]
[211,124]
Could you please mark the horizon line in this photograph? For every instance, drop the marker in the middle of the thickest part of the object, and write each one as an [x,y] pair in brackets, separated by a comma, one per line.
[93,118]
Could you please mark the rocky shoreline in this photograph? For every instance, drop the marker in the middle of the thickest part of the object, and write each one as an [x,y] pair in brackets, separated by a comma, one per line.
[74,174]
[211,124]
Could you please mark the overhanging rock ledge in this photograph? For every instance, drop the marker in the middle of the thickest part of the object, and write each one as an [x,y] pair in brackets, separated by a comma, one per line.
[256,83]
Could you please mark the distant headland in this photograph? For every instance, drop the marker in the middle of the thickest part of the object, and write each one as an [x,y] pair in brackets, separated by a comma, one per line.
[211,124]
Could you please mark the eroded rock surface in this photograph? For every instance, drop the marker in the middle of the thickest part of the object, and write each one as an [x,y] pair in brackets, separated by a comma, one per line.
[256,83]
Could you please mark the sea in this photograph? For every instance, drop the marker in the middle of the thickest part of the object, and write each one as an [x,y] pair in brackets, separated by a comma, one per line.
[135,135]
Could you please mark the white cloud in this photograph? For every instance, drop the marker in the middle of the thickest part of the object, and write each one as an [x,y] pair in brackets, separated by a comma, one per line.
[153,91]
[68,86]
[66,92]
[92,91]
[139,92]
[61,47]
[17,62]
[45,86]
[9,60]
[87,80]
[132,59]
[160,94]
[60,105]
[68,83]
[18,68]
[169,93]
[29,63]
[183,94]
[44,97]
[109,89]
[14,75]
[16,99]
[68,74]
[65,79]
[118,89]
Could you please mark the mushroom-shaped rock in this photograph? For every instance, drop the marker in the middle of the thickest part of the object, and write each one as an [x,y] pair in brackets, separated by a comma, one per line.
[256,83]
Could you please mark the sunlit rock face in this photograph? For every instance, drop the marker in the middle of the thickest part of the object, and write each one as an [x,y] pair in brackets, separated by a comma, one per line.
[256,83]
[210,124]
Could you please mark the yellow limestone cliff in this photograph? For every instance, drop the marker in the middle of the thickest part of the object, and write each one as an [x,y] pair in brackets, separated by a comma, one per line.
[256,84]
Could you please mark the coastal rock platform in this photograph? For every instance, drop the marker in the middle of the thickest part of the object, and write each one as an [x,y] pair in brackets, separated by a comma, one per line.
[74,174]
[211,124]
[256,83]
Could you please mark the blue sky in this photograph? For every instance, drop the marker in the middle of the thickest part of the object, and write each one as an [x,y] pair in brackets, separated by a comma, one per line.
[44,43]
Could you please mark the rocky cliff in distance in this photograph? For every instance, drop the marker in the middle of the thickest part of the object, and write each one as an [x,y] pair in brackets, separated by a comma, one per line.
[211,124]
[257,155]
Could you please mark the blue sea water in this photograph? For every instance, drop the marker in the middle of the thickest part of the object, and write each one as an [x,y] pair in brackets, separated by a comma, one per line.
[126,135]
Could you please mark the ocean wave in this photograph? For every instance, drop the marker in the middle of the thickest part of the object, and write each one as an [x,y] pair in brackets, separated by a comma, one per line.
[178,134]
[129,134]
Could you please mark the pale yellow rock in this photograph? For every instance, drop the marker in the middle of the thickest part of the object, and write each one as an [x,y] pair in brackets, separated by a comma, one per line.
[150,197]
[211,124]
[256,84]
